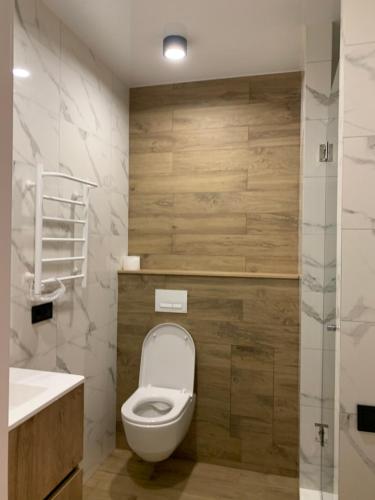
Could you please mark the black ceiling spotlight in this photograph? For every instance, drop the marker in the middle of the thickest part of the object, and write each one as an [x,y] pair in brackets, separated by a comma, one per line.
[174,47]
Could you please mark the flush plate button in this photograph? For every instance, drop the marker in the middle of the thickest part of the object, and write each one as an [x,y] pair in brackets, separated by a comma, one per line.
[173,301]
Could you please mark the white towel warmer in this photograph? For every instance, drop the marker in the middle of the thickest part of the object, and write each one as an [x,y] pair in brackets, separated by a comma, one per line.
[40,239]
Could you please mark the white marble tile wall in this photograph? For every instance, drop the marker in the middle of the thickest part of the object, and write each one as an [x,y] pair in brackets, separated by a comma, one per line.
[71,114]
[357,339]
[318,181]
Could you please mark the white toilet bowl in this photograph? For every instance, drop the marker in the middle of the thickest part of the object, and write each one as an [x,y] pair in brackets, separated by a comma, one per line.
[157,415]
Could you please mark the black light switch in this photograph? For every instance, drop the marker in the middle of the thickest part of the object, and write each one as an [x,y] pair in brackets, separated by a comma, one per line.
[41,312]
[366,418]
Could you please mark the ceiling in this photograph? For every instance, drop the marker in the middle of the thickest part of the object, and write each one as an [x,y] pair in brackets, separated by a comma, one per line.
[226,38]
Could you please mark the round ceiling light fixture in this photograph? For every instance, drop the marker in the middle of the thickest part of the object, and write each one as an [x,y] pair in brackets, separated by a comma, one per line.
[175,47]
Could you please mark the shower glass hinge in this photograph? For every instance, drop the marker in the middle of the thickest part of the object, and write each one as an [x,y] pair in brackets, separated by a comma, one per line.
[321,434]
[326,152]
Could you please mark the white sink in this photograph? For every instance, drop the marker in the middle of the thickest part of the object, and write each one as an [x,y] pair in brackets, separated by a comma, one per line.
[21,393]
[32,390]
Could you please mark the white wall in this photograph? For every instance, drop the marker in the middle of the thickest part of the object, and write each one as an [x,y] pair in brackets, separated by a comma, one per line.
[71,115]
[6,54]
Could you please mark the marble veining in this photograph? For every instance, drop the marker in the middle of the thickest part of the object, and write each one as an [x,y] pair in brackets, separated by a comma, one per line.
[318,258]
[359,117]
[71,115]
[356,451]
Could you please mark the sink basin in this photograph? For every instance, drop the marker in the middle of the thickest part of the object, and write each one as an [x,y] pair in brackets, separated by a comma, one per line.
[22,393]
[32,390]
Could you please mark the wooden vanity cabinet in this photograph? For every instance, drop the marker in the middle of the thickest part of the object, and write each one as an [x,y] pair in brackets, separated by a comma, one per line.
[70,489]
[44,452]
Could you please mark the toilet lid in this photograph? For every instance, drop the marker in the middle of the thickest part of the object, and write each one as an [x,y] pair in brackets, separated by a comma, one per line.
[168,358]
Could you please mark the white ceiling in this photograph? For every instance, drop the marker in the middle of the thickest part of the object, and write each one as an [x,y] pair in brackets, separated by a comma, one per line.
[226,37]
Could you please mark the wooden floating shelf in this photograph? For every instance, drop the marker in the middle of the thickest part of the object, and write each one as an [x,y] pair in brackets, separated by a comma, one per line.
[212,274]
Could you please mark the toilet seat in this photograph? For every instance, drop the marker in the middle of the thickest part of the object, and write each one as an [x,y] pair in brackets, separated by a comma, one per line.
[168,358]
[176,398]
[157,415]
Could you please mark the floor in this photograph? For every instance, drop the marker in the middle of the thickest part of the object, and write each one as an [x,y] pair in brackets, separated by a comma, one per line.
[305,494]
[125,477]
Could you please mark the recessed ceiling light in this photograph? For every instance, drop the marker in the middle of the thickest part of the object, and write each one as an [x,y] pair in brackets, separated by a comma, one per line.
[174,47]
[21,72]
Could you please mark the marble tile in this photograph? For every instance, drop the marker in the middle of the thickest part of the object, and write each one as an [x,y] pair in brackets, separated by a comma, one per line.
[84,103]
[71,354]
[357,461]
[358,275]
[101,306]
[359,89]
[313,209]
[311,378]
[42,86]
[357,366]
[358,181]
[84,155]
[73,320]
[119,214]
[71,115]
[318,89]
[23,206]
[311,320]
[22,259]
[100,217]
[119,248]
[35,134]
[31,346]
[99,259]
[328,382]
[95,427]
[38,23]
[81,59]
[358,16]
[120,116]
[331,205]
[119,182]
[313,263]
[330,259]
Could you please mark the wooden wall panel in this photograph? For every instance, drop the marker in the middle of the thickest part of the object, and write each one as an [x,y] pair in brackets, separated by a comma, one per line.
[216,158]
[246,334]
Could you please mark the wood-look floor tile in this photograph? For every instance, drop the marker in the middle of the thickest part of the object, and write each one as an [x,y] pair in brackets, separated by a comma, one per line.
[124,476]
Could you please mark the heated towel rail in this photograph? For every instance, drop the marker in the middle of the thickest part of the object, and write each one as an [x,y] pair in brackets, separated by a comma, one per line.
[41,239]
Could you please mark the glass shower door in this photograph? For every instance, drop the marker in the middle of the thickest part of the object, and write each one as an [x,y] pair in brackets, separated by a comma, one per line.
[328,471]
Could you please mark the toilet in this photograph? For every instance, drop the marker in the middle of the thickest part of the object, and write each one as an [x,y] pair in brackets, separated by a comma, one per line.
[158,414]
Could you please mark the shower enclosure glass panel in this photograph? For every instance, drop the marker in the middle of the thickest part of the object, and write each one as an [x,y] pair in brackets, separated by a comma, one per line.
[328,472]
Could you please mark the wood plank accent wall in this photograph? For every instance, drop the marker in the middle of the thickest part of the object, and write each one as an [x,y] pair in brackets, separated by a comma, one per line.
[214,174]
[246,333]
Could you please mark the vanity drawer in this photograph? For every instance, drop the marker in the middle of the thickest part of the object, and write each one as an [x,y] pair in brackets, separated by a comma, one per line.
[45,449]
[70,489]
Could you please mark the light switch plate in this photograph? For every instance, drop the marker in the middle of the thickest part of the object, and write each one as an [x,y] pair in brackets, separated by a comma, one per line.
[172,301]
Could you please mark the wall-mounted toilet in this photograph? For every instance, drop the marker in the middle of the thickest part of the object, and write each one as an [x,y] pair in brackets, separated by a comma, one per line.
[157,415]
